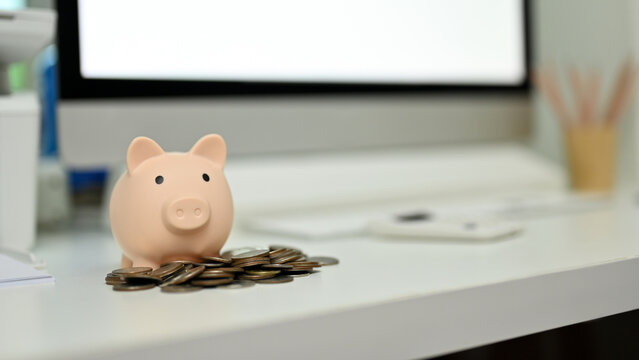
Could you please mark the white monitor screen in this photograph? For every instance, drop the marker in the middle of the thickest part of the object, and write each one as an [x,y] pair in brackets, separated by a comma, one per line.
[327,41]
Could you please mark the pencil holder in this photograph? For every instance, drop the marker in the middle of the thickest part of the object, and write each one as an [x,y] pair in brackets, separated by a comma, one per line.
[591,154]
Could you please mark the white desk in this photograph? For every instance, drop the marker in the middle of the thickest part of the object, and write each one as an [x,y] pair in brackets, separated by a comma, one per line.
[386,300]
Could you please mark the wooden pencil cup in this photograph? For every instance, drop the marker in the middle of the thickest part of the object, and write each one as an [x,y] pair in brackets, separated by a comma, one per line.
[591,153]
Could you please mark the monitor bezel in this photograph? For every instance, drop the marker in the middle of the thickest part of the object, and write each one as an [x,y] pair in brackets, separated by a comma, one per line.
[74,86]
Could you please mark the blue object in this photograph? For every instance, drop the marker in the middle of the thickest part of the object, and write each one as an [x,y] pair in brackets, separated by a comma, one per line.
[48,72]
[49,99]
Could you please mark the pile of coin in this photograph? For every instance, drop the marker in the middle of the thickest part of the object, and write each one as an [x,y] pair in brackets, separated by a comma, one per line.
[233,269]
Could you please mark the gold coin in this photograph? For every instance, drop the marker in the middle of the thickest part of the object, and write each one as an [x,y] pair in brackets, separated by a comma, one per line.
[230,269]
[211,282]
[262,272]
[166,270]
[114,281]
[216,259]
[209,265]
[277,267]
[184,276]
[285,253]
[286,259]
[132,287]
[141,279]
[274,253]
[132,270]
[183,262]
[253,259]
[251,263]
[254,277]
[215,275]
[304,263]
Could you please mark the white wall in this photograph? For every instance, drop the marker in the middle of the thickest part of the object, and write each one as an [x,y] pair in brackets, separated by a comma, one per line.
[589,34]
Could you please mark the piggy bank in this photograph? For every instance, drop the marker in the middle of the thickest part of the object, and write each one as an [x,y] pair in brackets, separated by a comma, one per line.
[171,206]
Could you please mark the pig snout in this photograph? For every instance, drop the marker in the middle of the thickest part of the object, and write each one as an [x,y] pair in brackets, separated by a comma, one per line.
[186,214]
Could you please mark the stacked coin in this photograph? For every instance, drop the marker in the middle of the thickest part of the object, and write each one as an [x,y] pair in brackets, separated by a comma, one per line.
[234,269]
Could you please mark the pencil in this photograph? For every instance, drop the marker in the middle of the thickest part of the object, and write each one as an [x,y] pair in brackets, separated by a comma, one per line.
[578,95]
[621,92]
[548,87]
[592,97]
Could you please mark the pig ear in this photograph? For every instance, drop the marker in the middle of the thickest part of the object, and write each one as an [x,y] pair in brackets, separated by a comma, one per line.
[141,149]
[211,147]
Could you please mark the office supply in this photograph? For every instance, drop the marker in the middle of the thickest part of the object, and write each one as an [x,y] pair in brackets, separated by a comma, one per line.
[589,133]
[16,273]
[622,93]
[585,93]
[591,152]
[22,34]
[428,225]
[508,207]
[25,257]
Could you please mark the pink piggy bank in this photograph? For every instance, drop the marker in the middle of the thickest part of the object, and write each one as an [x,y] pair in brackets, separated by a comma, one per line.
[171,206]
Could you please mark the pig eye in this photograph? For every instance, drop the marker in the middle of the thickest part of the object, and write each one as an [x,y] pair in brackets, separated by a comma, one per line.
[206,177]
[159,179]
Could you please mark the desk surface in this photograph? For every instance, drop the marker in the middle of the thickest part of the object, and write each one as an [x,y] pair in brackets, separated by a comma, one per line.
[386,299]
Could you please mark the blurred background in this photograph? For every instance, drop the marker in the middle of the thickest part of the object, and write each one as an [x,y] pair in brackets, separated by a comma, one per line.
[514,109]
[586,35]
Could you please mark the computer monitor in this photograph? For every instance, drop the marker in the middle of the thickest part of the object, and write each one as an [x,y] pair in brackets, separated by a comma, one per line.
[286,75]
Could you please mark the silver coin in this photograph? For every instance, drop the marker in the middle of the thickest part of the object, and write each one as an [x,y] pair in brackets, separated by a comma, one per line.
[232,252]
[324,260]
[249,254]
[278,247]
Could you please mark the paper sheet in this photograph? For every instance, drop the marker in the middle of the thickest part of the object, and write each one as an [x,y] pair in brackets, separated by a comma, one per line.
[15,273]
